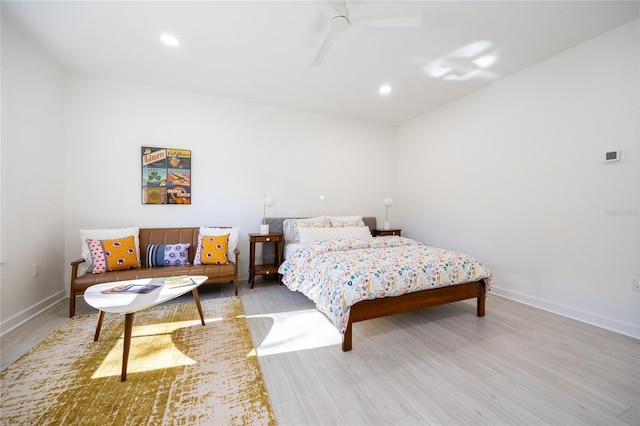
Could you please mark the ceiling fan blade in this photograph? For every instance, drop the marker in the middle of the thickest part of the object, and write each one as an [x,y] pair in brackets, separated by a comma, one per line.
[331,8]
[401,21]
[324,47]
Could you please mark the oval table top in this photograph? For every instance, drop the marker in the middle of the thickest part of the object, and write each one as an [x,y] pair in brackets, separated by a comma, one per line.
[124,303]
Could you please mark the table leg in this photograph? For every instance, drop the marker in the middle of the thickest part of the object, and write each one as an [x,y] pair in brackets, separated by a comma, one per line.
[279,256]
[128,327]
[252,261]
[196,297]
[98,326]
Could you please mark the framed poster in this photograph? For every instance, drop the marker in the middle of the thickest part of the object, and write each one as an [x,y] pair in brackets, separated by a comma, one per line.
[166,175]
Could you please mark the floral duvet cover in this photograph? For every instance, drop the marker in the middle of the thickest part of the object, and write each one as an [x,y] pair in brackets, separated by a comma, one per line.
[336,274]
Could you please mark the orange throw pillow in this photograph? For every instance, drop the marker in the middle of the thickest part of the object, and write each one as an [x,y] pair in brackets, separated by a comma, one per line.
[214,249]
[113,255]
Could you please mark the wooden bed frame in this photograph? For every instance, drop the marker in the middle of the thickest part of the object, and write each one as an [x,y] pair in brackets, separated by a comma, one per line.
[377,308]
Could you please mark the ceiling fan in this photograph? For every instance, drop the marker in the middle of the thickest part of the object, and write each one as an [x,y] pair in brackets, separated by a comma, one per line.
[337,12]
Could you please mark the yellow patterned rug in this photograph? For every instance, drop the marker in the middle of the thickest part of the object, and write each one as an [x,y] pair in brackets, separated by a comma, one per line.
[179,372]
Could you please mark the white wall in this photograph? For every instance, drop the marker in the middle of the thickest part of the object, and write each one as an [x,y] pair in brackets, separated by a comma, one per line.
[512,175]
[239,152]
[33,179]
[73,154]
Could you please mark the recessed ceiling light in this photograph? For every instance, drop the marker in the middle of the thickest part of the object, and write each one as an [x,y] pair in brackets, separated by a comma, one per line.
[385,89]
[169,40]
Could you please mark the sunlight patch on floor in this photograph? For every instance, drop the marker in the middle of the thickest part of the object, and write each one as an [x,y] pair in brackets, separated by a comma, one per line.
[296,331]
[151,348]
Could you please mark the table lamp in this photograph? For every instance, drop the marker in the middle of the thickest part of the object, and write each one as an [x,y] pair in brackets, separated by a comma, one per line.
[388,202]
[267,201]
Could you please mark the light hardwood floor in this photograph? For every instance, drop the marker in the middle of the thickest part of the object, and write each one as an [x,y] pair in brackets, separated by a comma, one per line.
[443,365]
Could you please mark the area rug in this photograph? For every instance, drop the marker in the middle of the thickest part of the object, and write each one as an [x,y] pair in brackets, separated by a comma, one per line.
[179,372]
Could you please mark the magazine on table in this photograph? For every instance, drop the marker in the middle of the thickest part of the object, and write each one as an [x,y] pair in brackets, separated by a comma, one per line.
[132,288]
[178,281]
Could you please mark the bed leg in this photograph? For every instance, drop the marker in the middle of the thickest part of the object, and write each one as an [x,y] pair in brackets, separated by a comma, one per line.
[346,339]
[481,300]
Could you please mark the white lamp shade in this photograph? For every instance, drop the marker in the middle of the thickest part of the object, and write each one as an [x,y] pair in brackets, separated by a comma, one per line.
[388,202]
[269,201]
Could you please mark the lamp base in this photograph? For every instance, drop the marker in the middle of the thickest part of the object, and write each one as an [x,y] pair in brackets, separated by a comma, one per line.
[264,229]
[386,226]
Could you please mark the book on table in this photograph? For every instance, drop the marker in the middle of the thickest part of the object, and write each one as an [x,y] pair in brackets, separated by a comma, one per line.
[178,281]
[131,288]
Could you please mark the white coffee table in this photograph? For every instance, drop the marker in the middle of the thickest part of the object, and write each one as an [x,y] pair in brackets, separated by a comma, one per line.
[129,303]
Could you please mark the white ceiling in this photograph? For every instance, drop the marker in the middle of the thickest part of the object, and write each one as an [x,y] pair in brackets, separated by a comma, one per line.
[260,51]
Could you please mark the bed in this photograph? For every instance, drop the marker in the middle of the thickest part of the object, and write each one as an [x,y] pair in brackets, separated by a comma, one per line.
[353,277]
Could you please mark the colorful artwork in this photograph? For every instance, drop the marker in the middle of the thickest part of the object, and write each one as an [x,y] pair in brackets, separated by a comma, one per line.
[154,176]
[166,175]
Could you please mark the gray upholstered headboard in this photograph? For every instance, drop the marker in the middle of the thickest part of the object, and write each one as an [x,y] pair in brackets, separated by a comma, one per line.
[275,225]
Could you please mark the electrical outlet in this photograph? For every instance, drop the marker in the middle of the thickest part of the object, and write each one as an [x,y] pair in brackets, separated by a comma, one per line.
[36,270]
[635,286]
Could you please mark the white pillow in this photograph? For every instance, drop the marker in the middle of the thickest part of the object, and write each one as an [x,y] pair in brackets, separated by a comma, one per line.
[290,227]
[342,221]
[234,235]
[310,235]
[104,234]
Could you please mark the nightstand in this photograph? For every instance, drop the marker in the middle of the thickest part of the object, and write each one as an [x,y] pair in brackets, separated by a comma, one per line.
[265,269]
[386,232]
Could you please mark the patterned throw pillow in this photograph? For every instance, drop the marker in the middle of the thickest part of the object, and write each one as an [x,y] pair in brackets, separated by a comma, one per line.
[291,226]
[104,234]
[214,249]
[113,255]
[234,234]
[167,254]
[310,235]
[346,221]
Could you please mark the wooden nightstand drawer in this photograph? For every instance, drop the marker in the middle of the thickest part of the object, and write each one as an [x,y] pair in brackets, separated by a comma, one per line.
[265,238]
[387,232]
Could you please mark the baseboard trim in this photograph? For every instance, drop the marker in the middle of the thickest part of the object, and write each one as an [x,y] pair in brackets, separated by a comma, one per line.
[24,316]
[586,317]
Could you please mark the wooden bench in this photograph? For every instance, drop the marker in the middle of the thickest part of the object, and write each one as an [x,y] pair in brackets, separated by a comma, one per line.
[216,273]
